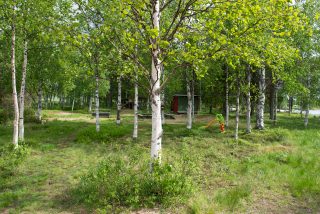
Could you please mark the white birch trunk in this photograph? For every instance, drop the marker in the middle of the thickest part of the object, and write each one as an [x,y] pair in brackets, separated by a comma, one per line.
[189,108]
[248,129]
[261,99]
[97,101]
[90,104]
[72,104]
[97,104]
[156,136]
[275,114]
[306,117]
[237,109]
[39,111]
[22,91]
[14,87]
[227,98]
[119,104]
[136,103]
[81,101]
[192,95]
[162,100]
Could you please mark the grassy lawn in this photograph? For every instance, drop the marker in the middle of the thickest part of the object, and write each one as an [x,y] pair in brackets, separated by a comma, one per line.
[272,171]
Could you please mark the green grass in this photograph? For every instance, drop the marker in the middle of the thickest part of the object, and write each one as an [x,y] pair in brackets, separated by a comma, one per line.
[270,171]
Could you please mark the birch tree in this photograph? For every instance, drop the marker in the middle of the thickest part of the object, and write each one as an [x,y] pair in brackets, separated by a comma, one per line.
[14,84]
[135,108]
[248,101]
[189,107]
[119,102]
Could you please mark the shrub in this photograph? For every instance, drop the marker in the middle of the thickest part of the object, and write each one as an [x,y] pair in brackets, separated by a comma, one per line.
[5,116]
[129,183]
[10,158]
[30,115]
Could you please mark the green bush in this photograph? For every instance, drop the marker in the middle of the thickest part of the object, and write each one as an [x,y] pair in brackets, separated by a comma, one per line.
[30,115]
[10,158]
[5,116]
[129,183]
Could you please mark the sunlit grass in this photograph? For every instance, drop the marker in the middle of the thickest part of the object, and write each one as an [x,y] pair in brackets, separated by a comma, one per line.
[271,170]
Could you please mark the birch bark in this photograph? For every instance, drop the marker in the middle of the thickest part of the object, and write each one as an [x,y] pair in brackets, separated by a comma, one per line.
[14,85]
[189,108]
[306,117]
[192,94]
[227,97]
[162,100]
[261,99]
[275,105]
[72,104]
[156,136]
[119,104]
[22,91]
[97,96]
[39,111]
[136,100]
[248,116]
[237,109]
[90,104]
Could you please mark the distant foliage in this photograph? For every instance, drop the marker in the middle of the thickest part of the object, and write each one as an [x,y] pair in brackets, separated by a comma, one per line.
[128,183]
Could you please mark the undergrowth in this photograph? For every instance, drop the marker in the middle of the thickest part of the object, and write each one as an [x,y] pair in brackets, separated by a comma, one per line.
[128,182]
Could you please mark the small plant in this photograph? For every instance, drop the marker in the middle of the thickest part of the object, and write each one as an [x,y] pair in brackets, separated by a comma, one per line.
[220,118]
[10,158]
[231,198]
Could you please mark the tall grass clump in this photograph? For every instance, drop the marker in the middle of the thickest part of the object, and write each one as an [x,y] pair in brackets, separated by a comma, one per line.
[305,178]
[119,182]
[231,198]
[106,134]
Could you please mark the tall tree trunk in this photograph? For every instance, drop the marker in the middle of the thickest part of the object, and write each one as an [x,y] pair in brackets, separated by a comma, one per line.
[227,97]
[275,105]
[119,104]
[162,100]
[306,117]
[136,103]
[73,103]
[156,136]
[39,111]
[189,108]
[272,93]
[248,129]
[81,101]
[97,95]
[14,86]
[237,108]
[51,101]
[90,103]
[261,99]
[22,91]
[192,93]
[290,104]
